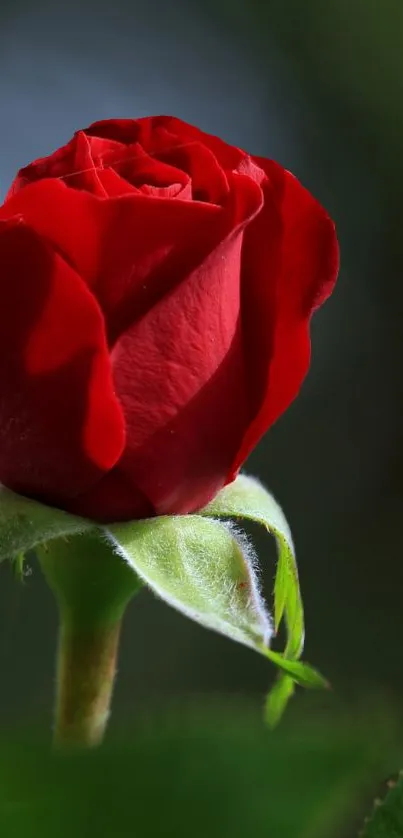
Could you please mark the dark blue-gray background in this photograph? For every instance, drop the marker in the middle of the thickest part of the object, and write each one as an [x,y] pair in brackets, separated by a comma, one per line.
[317,86]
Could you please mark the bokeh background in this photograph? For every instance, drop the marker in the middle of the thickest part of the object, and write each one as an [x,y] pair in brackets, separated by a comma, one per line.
[317,86]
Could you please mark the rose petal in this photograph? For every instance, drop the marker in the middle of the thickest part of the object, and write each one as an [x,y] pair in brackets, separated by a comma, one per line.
[209,182]
[174,366]
[125,131]
[61,424]
[73,163]
[168,132]
[131,250]
[290,265]
[139,168]
[114,185]
[114,498]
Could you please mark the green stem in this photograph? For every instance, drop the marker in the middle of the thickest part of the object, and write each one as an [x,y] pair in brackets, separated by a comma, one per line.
[86,669]
[92,586]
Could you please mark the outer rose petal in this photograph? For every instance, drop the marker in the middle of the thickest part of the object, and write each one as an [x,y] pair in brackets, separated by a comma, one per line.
[180,376]
[290,265]
[61,425]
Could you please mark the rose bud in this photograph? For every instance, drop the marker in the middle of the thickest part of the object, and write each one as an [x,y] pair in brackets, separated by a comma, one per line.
[157,290]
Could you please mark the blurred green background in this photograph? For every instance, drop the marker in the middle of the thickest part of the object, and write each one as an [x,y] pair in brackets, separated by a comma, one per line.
[317,86]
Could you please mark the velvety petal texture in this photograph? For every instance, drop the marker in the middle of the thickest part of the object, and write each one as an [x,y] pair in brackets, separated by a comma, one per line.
[61,425]
[157,286]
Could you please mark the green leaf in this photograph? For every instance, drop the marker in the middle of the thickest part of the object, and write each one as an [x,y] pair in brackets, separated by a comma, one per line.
[387,818]
[302,673]
[203,568]
[278,699]
[246,498]
[24,524]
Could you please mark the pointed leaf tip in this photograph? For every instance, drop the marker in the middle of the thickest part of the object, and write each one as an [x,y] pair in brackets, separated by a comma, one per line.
[302,673]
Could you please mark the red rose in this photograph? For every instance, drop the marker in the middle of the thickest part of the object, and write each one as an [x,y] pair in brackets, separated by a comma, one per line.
[157,288]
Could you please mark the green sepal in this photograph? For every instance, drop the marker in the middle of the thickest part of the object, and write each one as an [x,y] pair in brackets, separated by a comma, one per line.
[247,499]
[206,569]
[201,567]
[25,524]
